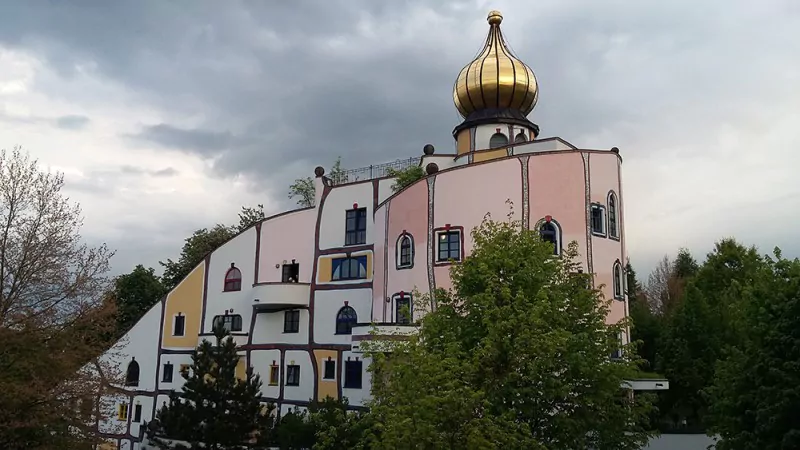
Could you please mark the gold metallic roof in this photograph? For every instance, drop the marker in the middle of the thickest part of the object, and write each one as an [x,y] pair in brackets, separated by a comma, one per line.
[496,78]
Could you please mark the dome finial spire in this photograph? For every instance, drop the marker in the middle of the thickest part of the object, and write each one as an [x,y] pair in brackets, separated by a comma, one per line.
[494,17]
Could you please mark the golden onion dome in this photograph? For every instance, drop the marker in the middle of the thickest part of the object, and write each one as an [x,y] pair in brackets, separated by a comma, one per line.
[496,79]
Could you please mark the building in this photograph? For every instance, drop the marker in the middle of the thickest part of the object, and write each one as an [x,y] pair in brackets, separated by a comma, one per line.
[300,289]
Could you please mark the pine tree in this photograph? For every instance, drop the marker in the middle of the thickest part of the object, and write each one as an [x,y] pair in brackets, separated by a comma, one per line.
[215,410]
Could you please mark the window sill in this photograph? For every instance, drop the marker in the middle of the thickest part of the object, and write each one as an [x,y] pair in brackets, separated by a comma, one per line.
[291,332]
[329,379]
[598,234]
[447,263]
[614,238]
[409,266]
[349,279]
[351,387]
[292,385]
[272,384]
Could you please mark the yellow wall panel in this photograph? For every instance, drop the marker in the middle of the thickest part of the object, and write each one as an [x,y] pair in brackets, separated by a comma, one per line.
[186,299]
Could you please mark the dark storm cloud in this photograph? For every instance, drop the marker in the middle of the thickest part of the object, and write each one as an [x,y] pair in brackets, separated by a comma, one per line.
[72,122]
[202,142]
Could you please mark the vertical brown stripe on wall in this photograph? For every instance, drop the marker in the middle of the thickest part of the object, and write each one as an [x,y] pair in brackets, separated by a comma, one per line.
[258,252]
[384,293]
[375,191]
[158,355]
[588,204]
[205,292]
[431,239]
[526,208]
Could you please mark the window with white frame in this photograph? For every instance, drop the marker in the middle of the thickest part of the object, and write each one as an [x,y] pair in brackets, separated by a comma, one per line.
[405,251]
[613,215]
[598,219]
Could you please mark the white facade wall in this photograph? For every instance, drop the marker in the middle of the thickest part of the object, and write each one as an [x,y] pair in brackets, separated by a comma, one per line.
[356,397]
[385,189]
[261,361]
[327,305]
[177,379]
[241,250]
[269,329]
[338,201]
[146,402]
[305,391]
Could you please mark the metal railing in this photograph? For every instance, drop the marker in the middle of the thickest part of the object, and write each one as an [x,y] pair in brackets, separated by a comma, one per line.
[372,172]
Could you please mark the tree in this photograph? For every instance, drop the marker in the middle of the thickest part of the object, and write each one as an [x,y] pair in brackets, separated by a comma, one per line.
[135,293]
[195,248]
[516,356]
[645,324]
[53,317]
[294,431]
[755,395]
[405,177]
[215,409]
[336,428]
[249,216]
[304,190]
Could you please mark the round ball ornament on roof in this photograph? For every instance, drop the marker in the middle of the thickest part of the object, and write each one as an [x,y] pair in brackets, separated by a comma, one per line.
[496,79]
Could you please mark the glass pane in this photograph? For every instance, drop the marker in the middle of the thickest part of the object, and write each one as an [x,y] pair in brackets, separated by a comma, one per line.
[454,237]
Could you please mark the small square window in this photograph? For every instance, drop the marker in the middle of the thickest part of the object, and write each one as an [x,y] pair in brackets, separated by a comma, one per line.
[330,370]
[166,377]
[598,219]
[293,375]
[356,227]
[179,325]
[448,246]
[290,273]
[291,321]
[352,374]
[274,375]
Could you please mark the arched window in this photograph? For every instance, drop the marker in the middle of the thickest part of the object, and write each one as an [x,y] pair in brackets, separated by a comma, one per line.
[498,140]
[520,138]
[613,217]
[233,279]
[405,251]
[345,320]
[549,231]
[617,273]
[132,374]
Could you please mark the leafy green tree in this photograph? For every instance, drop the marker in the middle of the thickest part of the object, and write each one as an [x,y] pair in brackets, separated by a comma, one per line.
[645,324]
[215,409]
[249,216]
[755,396]
[336,428]
[135,293]
[303,188]
[405,177]
[294,431]
[195,248]
[516,356]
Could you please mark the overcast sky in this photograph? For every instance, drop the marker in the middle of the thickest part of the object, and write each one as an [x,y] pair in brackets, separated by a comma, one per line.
[167,116]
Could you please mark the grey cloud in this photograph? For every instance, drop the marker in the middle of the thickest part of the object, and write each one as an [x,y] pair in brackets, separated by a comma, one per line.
[72,122]
[203,142]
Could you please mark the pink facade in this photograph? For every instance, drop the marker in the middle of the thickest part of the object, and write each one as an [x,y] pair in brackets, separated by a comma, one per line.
[286,238]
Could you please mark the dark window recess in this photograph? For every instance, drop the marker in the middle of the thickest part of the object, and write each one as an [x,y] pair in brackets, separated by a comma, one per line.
[356,227]
[233,279]
[137,413]
[345,320]
[449,246]
[598,219]
[166,377]
[179,326]
[274,372]
[291,321]
[354,268]
[352,374]
[406,251]
[402,309]
[498,140]
[617,281]
[330,370]
[520,138]
[612,216]
[290,273]
[231,322]
[549,233]
[132,374]
[293,375]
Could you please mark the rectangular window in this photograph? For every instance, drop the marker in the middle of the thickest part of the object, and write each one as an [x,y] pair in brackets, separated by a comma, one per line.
[137,413]
[330,370]
[274,375]
[449,246]
[122,411]
[290,273]
[178,325]
[231,322]
[353,268]
[356,227]
[352,374]
[293,375]
[291,321]
[598,219]
[402,309]
[166,377]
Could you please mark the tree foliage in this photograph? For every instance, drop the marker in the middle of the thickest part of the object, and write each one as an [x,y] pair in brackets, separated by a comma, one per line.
[516,356]
[303,188]
[54,314]
[135,293]
[406,177]
[249,215]
[755,394]
[215,409]
[195,248]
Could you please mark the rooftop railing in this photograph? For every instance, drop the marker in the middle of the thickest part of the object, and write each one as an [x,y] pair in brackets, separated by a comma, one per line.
[372,172]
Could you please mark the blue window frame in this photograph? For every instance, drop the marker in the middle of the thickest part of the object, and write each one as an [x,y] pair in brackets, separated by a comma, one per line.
[353,268]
